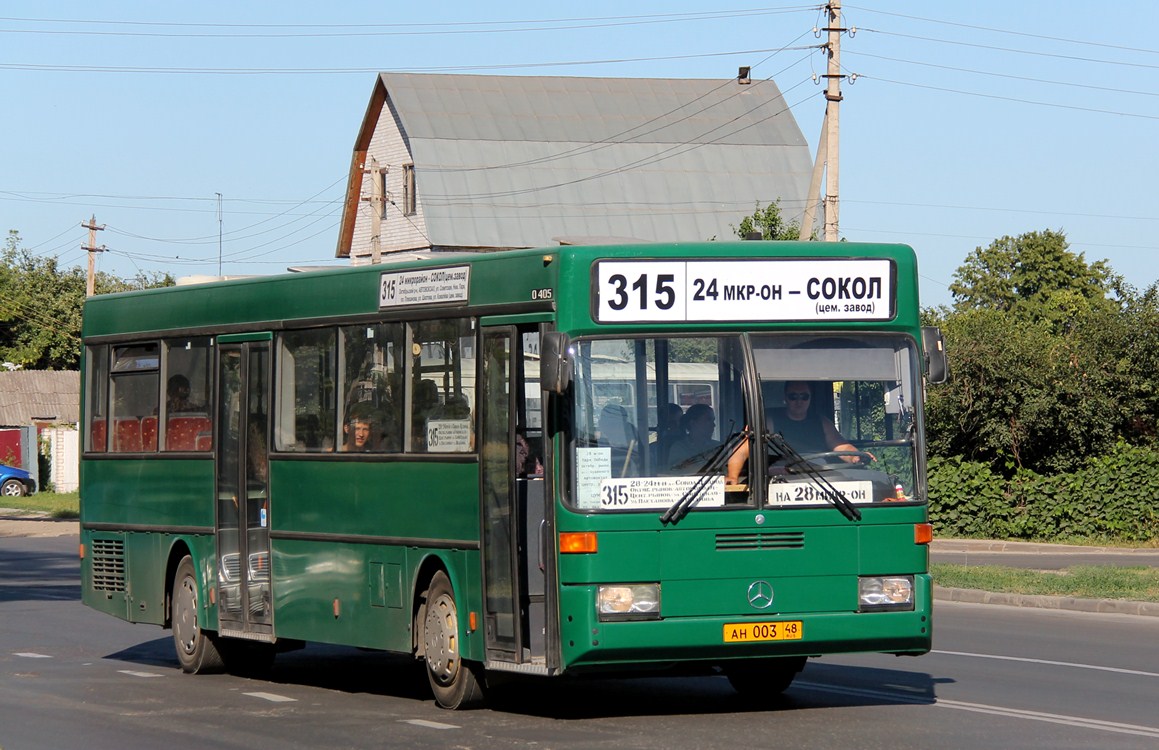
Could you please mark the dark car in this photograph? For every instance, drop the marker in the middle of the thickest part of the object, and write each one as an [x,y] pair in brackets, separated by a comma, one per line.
[15,482]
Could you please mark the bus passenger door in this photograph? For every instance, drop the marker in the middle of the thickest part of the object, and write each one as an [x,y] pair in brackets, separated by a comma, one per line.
[515,509]
[245,607]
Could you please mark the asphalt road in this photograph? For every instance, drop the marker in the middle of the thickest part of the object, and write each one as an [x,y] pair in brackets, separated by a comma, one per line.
[998,677]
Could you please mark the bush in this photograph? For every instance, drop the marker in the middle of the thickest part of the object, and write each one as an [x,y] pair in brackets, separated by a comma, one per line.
[1112,497]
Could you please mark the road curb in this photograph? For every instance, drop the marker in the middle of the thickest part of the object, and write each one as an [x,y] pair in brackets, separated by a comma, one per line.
[1069,603]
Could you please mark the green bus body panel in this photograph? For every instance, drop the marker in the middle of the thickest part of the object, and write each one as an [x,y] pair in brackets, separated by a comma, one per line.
[376,499]
[163,492]
[706,563]
[589,644]
[144,559]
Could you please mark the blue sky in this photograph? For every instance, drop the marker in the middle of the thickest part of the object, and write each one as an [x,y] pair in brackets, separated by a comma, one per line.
[966,121]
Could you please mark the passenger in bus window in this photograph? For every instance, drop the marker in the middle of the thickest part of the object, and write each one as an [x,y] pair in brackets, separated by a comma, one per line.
[527,463]
[668,431]
[177,393]
[698,426]
[358,429]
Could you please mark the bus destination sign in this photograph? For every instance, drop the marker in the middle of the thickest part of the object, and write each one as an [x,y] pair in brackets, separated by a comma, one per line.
[430,286]
[671,291]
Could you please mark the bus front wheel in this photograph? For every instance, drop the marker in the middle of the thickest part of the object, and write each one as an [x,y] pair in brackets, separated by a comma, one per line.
[196,650]
[453,681]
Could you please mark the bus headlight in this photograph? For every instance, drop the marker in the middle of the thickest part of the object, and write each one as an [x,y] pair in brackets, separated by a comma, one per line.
[885,593]
[628,601]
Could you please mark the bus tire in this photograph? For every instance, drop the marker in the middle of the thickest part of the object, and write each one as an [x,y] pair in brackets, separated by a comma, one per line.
[764,678]
[453,681]
[196,648]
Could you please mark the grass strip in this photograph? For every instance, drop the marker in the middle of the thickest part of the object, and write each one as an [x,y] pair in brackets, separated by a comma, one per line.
[1080,581]
[56,504]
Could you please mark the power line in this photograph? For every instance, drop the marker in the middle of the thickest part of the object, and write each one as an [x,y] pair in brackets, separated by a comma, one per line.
[1006,31]
[1010,49]
[408,29]
[1031,79]
[341,71]
[1018,99]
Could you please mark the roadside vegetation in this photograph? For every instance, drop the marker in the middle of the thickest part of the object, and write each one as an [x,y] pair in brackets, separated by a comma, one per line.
[57,505]
[1139,584]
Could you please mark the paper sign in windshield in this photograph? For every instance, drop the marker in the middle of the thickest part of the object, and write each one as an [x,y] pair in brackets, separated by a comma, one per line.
[810,493]
[659,493]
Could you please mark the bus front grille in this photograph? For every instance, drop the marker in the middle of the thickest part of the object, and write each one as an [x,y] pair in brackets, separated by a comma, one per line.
[108,564]
[760,540]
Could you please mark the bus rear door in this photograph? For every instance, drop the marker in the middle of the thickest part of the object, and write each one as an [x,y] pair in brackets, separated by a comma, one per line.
[245,608]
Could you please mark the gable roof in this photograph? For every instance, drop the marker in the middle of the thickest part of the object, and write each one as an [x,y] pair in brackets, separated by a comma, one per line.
[514,161]
[39,395]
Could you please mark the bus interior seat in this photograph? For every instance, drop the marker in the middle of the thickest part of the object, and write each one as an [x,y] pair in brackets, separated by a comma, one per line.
[127,435]
[99,433]
[182,432]
[149,433]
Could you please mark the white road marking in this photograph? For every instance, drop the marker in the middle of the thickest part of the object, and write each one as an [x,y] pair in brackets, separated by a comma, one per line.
[428,724]
[1013,713]
[131,673]
[272,697]
[1118,670]
[1072,721]
[31,655]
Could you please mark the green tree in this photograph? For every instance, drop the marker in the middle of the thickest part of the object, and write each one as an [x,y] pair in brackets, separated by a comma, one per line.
[1033,276]
[41,304]
[1045,368]
[769,222]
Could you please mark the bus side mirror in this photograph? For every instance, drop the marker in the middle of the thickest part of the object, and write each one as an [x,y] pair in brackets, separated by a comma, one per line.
[554,366]
[935,351]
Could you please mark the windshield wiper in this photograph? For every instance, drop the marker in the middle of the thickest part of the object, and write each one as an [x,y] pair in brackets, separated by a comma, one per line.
[707,474]
[780,447]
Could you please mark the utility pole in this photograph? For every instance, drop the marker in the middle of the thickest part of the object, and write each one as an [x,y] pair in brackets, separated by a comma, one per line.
[220,219]
[376,199]
[832,105]
[92,250]
[812,198]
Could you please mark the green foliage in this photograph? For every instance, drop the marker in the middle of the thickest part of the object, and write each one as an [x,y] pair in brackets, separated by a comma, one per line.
[769,223]
[41,303]
[1052,359]
[1114,496]
[1033,276]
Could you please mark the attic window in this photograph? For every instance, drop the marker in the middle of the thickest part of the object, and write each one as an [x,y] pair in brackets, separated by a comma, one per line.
[408,190]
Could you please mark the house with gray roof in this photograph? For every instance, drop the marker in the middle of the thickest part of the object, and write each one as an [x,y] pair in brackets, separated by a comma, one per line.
[39,397]
[465,162]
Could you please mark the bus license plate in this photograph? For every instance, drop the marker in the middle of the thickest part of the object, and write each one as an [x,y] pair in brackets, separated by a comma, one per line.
[752,632]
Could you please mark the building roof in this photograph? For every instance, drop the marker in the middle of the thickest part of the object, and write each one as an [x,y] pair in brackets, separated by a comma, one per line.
[28,396]
[515,161]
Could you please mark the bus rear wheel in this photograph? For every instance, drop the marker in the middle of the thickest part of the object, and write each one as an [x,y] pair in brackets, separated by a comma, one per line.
[453,681]
[764,678]
[196,650]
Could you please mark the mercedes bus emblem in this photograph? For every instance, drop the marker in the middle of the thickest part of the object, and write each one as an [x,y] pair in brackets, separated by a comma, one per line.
[760,594]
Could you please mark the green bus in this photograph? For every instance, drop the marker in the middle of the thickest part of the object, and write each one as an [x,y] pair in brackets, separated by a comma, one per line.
[657,458]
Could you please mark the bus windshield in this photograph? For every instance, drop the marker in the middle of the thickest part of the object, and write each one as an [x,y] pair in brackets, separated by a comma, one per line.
[841,405]
[656,417]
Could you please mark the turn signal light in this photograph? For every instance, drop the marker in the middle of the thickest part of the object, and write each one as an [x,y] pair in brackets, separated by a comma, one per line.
[577,542]
[923,533]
